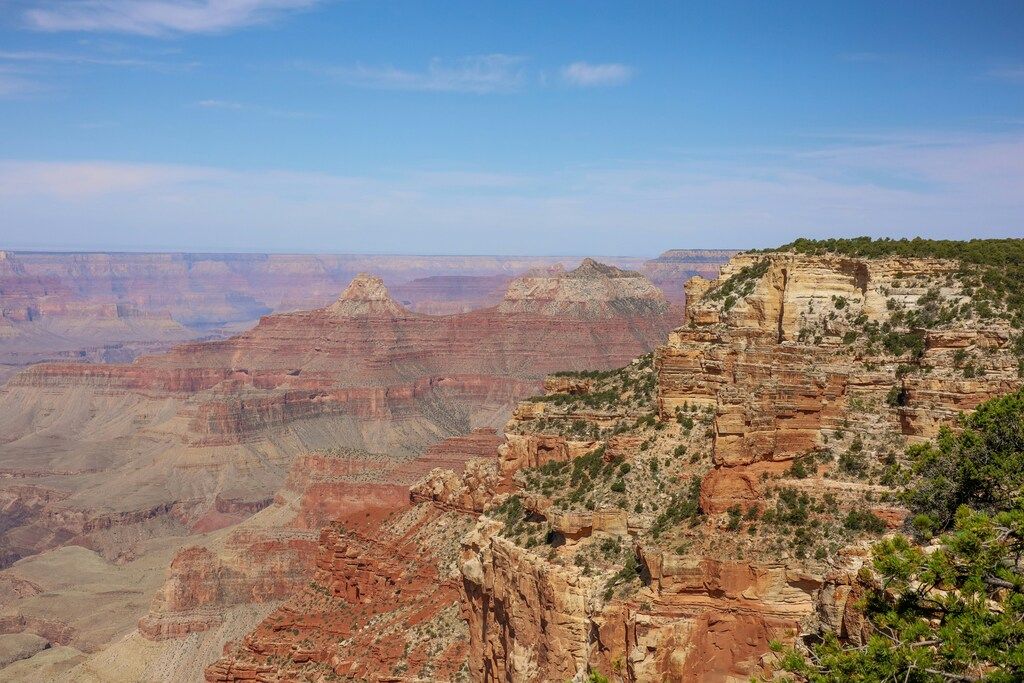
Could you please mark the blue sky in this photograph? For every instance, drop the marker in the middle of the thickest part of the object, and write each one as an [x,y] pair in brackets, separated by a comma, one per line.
[505,127]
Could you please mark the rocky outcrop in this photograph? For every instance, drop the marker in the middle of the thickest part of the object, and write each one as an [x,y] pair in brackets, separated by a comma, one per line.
[534,450]
[528,619]
[701,619]
[365,297]
[362,371]
[633,522]
[347,621]
[777,350]
[469,492]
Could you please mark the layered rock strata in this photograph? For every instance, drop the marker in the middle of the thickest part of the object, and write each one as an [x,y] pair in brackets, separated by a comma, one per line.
[783,360]
[361,371]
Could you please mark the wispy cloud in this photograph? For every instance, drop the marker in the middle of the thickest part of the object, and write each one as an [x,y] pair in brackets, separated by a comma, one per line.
[230,105]
[16,80]
[220,104]
[1010,74]
[863,57]
[480,74]
[12,85]
[586,75]
[932,184]
[157,17]
[41,57]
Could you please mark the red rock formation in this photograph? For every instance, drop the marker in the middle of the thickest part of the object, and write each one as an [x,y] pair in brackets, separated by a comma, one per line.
[381,607]
[112,307]
[760,379]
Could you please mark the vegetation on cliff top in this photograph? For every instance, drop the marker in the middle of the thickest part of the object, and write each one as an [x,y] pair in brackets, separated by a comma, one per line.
[978,251]
[993,269]
[952,610]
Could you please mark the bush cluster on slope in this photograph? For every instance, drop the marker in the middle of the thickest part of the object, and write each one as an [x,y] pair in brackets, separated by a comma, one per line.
[954,610]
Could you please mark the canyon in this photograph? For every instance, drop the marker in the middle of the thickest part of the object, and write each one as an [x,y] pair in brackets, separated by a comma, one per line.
[204,474]
[676,518]
[578,481]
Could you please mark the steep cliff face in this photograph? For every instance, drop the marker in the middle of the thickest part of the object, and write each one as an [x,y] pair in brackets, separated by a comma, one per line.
[790,348]
[737,512]
[528,619]
[670,519]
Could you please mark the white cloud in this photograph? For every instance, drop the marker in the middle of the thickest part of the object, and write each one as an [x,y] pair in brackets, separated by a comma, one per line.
[473,74]
[157,17]
[928,184]
[587,75]
[87,180]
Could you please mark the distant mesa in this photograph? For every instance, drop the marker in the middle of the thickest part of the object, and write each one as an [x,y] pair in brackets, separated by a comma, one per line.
[592,290]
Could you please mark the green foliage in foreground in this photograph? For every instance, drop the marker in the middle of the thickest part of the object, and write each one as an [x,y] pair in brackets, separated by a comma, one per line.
[954,612]
[981,466]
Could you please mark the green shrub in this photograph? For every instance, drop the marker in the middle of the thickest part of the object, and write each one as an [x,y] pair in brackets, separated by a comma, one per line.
[735,517]
[981,466]
[863,520]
